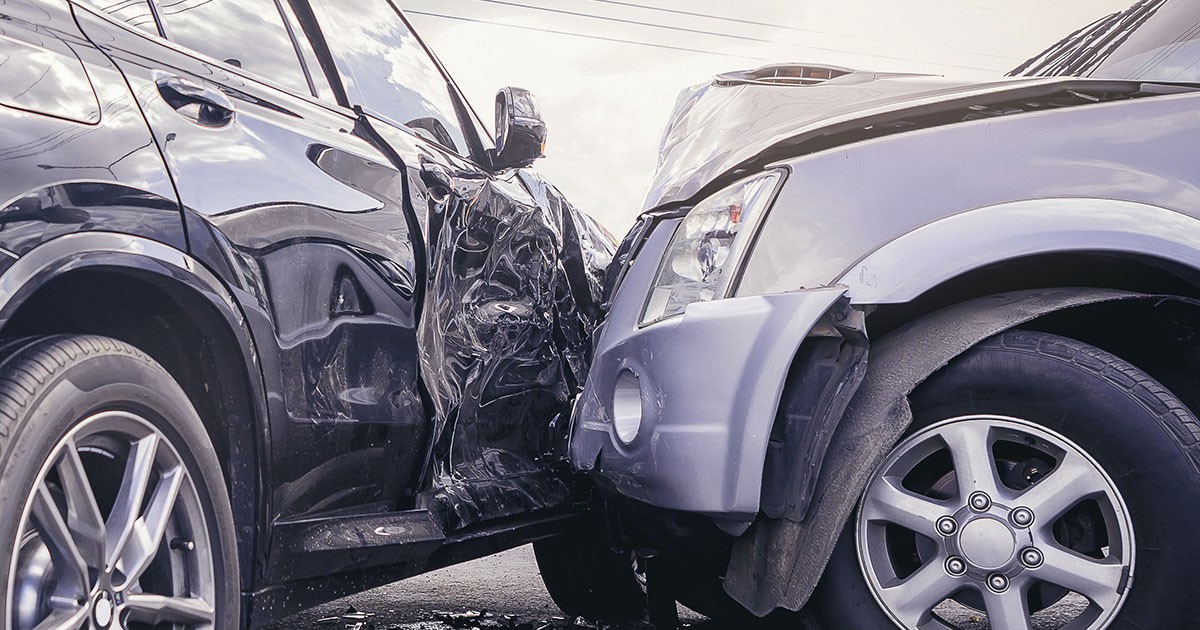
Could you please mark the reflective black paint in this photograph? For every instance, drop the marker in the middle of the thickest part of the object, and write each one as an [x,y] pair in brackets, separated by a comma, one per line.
[410,326]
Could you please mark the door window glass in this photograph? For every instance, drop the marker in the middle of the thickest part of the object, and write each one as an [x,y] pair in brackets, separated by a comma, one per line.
[320,82]
[388,72]
[249,34]
[136,13]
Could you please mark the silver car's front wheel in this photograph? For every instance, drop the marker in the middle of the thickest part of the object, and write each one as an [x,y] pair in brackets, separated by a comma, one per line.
[1044,484]
[974,515]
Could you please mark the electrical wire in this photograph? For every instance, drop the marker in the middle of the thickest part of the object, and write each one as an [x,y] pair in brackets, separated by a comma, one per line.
[583,35]
[607,18]
[666,27]
[704,15]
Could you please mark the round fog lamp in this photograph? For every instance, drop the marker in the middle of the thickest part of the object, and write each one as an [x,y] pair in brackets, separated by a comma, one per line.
[627,406]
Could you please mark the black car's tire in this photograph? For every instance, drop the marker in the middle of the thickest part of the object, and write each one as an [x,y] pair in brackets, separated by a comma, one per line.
[587,578]
[1146,442]
[106,470]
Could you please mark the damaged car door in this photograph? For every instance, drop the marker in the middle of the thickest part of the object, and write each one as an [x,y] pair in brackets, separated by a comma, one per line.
[304,217]
[509,299]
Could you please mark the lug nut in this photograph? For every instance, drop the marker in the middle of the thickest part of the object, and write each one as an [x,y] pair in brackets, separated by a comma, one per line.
[947,526]
[980,502]
[956,566]
[1031,558]
[998,583]
[1021,517]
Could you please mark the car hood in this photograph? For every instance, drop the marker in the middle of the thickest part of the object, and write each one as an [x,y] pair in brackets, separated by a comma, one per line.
[718,126]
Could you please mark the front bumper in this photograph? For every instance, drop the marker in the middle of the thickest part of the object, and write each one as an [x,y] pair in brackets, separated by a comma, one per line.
[709,383]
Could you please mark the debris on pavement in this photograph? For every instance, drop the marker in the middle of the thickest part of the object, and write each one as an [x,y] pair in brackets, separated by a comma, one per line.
[352,619]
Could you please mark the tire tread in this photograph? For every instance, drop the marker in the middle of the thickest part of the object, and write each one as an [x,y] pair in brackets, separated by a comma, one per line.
[1172,414]
[28,363]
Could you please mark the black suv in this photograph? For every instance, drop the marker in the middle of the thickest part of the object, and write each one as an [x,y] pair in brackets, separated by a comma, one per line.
[280,320]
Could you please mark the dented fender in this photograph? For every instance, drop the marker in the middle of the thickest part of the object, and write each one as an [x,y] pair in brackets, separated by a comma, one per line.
[779,562]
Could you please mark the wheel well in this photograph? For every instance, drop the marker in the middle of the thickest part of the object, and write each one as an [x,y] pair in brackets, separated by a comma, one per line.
[1161,337]
[185,334]
[1143,274]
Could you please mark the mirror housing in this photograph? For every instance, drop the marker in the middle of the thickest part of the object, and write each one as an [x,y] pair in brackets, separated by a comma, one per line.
[520,130]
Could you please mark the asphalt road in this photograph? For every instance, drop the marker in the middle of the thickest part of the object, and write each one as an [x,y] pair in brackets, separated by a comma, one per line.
[507,586]
[505,591]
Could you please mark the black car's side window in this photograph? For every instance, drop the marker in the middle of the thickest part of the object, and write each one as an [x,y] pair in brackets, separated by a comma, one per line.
[135,13]
[388,72]
[320,83]
[249,34]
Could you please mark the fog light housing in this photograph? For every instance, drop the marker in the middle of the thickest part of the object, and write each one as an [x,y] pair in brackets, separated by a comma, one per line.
[627,406]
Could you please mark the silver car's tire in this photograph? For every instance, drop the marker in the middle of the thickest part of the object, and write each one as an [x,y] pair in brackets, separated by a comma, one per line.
[1044,484]
[119,517]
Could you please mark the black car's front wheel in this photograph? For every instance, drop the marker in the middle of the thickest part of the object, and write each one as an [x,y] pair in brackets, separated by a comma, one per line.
[1044,484]
[116,511]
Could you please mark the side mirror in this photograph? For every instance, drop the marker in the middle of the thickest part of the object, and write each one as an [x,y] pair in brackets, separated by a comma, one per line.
[520,130]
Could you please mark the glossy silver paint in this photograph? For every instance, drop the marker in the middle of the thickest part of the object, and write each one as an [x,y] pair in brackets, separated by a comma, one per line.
[686,456]
[939,202]
[827,224]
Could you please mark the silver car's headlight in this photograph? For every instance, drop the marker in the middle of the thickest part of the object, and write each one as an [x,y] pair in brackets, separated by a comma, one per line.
[705,252]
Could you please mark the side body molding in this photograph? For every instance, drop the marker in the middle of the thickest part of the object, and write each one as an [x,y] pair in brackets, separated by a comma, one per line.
[924,258]
[778,563]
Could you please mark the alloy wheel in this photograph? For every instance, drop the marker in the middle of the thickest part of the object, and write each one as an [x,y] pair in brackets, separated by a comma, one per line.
[113,535]
[995,516]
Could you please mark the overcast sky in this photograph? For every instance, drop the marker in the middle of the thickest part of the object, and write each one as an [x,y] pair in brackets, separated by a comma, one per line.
[606,102]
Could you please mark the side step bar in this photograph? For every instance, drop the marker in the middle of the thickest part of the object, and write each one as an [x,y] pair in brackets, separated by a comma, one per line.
[321,547]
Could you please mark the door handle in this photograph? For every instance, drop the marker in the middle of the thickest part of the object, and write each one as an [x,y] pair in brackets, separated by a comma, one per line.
[438,181]
[215,109]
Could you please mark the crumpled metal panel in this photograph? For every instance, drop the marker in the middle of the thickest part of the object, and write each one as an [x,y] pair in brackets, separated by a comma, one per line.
[717,127]
[514,292]
[779,562]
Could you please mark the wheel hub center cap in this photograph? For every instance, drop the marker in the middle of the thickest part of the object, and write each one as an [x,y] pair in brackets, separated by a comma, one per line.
[103,608]
[987,543]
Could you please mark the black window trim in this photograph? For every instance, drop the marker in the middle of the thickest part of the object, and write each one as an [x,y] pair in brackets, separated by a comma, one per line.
[163,40]
[476,155]
[462,107]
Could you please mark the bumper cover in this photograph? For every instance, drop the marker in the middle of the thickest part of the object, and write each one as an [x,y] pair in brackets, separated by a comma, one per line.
[708,383]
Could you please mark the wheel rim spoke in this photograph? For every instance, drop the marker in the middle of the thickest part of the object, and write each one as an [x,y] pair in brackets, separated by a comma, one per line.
[914,598]
[83,514]
[57,536]
[1000,545]
[1071,481]
[71,619]
[888,501]
[1097,580]
[1008,610]
[144,542]
[970,448]
[156,609]
[134,485]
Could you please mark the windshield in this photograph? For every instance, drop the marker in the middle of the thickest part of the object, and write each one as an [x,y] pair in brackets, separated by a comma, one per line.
[1154,40]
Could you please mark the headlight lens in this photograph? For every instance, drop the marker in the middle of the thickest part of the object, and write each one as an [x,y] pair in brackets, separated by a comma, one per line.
[705,252]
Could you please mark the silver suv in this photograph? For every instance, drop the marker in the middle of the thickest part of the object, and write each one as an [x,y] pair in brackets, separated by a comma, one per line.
[901,351]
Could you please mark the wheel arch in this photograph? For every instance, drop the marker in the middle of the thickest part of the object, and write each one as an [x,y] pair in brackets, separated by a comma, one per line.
[779,562]
[983,242]
[160,300]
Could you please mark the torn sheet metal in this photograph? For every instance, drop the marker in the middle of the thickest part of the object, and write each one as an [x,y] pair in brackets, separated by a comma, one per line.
[514,296]
[778,563]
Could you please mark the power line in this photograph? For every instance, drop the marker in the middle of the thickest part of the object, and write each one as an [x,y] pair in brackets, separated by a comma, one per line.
[703,15]
[785,27]
[607,18]
[583,35]
[670,47]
